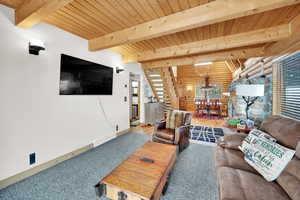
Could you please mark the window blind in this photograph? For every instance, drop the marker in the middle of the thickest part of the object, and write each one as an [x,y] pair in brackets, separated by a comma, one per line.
[290,86]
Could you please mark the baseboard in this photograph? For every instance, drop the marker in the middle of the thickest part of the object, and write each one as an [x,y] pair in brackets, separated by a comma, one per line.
[20,176]
[123,132]
[32,171]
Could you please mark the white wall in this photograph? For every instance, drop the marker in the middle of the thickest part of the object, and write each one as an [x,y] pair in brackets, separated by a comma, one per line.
[136,68]
[33,117]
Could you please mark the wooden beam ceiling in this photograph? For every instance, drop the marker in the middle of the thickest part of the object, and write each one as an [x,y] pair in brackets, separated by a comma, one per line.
[244,53]
[210,13]
[165,30]
[31,12]
[230,66]
[11,3]
[244,24]
[288,45]
[215,44]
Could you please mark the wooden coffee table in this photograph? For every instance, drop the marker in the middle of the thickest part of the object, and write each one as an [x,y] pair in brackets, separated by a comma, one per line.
[134,179]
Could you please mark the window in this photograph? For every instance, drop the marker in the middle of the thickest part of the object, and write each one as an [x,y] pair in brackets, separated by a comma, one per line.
[208,93]
[290,86]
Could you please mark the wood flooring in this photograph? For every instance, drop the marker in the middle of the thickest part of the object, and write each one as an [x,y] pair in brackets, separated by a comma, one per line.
[147,129]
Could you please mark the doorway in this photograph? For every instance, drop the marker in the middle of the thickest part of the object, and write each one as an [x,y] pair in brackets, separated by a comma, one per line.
[134,99]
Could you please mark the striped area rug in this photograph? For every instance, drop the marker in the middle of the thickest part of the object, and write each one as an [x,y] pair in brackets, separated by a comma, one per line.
[206,134]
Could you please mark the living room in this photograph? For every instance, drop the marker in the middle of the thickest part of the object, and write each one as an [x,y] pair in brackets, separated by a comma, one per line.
[150,99]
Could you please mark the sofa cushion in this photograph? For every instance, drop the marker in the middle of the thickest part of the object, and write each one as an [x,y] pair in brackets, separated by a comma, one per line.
[225,157]
[293,168]
[161,140]
[235,184]
[231,141]
[286,131]
[167,134]
[298,150]
[289,179]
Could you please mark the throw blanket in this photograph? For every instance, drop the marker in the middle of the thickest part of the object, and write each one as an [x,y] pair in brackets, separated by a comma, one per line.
[265,155]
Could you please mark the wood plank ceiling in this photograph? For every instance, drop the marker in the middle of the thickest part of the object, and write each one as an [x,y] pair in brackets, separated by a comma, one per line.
[240,25]
[94,18]
[90,19]
[12,3]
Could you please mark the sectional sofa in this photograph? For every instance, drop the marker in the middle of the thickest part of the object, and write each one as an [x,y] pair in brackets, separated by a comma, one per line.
[239,181]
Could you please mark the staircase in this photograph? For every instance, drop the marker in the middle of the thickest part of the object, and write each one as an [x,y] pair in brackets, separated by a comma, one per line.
[163,85]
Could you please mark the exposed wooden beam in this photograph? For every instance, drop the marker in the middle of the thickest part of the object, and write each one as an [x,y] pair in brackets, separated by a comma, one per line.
[288,45]
[230,65]
[34,11]
[210,13]
[215,44]
[11,3]
[247,52]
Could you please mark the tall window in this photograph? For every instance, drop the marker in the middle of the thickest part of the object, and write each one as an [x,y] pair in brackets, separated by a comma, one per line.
[208,93]
[290,86]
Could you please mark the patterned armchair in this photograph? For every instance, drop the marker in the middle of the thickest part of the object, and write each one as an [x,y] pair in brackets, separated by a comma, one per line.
[174,130]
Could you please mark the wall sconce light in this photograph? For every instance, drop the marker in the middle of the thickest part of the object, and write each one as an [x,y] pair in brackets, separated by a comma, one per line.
[119,69]
[35,46]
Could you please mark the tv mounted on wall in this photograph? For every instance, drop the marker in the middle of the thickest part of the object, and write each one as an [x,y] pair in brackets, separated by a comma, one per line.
[81,77]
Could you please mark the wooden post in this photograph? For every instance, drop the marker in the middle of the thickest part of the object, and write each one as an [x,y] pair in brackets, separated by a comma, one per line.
[276,81]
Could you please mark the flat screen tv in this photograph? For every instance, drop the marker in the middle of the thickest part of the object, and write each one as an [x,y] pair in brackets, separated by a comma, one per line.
[81,77]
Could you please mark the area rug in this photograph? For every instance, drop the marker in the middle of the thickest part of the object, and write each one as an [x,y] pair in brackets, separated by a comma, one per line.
[206,134]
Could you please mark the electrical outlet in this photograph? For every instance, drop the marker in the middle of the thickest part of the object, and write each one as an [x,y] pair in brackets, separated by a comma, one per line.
[125,98]
[32,159]
[117,127]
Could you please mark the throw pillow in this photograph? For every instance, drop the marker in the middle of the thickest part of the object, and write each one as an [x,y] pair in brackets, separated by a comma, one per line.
[173,120]
[168,120]
[267,157]
[260,133]
[179,119]
[257,133]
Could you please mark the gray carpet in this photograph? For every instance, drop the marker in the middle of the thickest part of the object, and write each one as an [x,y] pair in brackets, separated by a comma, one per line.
[193,177]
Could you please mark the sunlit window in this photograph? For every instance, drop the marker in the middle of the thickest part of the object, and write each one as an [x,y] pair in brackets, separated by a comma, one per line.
[290,86]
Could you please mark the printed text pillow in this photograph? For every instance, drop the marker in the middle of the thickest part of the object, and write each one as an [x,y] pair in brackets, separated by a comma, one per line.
[266,156]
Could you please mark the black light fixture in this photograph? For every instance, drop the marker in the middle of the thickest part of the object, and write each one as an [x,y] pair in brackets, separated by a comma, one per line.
[35,46]
[119,69]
